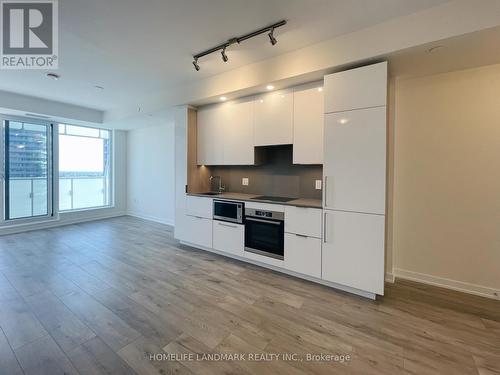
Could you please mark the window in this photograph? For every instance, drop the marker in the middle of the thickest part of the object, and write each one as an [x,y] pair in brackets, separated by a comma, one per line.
[84,167]
[27,170]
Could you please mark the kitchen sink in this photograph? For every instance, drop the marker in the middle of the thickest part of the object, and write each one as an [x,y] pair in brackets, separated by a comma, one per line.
[211,193]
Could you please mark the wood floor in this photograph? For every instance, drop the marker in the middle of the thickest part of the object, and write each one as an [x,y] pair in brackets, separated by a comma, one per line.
[94,298]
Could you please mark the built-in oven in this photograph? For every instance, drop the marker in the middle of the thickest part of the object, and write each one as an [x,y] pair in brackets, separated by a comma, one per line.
[265,232]
[228,211]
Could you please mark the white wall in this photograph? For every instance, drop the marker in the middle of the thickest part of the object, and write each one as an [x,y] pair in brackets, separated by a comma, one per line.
[150,173]
[446,203]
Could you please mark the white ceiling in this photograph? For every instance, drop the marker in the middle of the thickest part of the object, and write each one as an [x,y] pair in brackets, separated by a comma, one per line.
[134,48]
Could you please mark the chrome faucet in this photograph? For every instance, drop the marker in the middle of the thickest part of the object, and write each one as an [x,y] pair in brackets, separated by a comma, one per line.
[221,187]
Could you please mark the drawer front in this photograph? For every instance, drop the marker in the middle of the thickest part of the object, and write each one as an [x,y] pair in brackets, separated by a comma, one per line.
[199,231]
[265,206]
[303,220]
[229,237]
[303,254]
[199,206]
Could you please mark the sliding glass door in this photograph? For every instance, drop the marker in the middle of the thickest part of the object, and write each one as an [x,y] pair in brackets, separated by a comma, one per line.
[27,170]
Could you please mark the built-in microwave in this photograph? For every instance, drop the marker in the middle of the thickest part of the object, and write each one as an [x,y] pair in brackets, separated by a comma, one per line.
[228,211]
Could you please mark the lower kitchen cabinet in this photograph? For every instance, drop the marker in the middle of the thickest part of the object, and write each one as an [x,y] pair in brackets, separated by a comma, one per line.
[200,230]
[353,250]
[303,254]
[229,237]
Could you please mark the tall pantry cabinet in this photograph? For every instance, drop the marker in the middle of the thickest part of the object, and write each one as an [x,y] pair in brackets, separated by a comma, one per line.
[354,178]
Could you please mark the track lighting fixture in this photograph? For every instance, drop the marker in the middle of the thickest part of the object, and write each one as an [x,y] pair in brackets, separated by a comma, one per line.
[195,63]
[222,47]
[272,39]
[224,56]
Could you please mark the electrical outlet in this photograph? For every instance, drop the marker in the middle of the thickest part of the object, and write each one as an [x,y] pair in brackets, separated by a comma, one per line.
[244,181]
[318,184]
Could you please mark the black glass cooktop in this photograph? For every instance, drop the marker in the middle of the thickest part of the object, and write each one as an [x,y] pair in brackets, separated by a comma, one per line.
[273,199]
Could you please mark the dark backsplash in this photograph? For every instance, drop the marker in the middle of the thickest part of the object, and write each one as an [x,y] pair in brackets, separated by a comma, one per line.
[276,175]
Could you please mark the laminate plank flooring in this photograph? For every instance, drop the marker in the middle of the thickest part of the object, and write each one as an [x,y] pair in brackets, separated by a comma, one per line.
[117,296]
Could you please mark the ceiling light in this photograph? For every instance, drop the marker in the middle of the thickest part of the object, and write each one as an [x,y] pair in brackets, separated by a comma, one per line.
[269,87]
[53,76]
[320,89]
[21,146]
[343,121]
[224,56]
[222,98]
[272,39]
[195,64]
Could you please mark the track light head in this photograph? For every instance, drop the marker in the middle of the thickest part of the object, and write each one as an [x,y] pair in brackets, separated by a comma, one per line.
[224,56]
[195,64]
[272,39]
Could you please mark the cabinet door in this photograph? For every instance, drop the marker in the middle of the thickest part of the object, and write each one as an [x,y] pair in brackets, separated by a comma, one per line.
[274,119]
[210,135]
[353,250]
[354,168]
[229,237]
[199,231]
[356,88]
[199,206]
[308,125]
[303,254]
[238,134]
[303,220]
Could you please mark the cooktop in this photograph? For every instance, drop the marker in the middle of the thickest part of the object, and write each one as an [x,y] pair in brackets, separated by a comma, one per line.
[274,199]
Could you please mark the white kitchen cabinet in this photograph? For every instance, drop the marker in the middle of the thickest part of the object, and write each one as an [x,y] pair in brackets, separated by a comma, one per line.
[356,88]
[308,125]
[200,230]
[353,250]
[199,206]
[303,254]
[238,135]
[354,168]
[303,220]
[274,119]
[229,237]
[210,135]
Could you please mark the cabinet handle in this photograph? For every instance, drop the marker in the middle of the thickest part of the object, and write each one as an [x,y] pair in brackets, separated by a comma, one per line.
[198,217]
[324,228]
[227,225]
[301,235]
[325,189]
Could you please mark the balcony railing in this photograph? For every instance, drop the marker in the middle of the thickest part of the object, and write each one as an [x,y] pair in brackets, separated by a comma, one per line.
[28,197]
[83,192]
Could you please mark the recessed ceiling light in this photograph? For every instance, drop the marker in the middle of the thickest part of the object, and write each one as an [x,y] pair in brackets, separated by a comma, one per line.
[222,98]
[53,76]
[343,121]
[269,87]
[99,87]
[435,49]
[320,89]
[21,146]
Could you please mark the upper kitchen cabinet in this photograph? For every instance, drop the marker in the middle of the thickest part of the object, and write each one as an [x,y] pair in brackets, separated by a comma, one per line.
[308,124]
[363,87]
[210,135]
[274,119]
[239,134]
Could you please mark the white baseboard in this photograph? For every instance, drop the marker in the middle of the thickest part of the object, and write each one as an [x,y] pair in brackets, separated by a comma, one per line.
[389,278]
[460,286]
[150,218]
[62,221]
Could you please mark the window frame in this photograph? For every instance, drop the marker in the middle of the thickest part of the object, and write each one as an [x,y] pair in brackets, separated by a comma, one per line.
[111,178]
[52,187]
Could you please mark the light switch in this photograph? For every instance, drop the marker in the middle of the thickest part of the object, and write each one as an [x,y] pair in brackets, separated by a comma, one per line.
[318,184]
[244,181]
